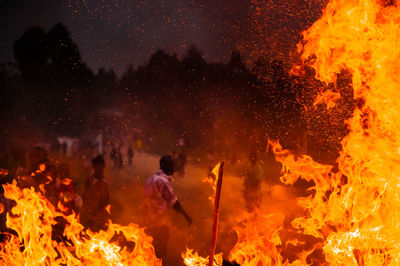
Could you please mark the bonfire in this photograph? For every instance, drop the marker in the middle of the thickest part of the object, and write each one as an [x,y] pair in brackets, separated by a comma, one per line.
[353,212]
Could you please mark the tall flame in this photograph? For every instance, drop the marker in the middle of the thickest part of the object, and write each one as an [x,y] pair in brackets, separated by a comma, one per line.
[257,240]
[355,209]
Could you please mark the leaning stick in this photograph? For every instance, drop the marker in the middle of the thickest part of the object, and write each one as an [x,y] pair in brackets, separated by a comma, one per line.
[216,214]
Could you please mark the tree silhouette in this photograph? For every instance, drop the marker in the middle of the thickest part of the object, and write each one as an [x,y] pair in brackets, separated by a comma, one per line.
[64,52]
[193,63]
[220,106]
[31,51]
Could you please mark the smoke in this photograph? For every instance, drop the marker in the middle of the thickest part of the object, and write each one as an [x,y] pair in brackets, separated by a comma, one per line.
[126,190]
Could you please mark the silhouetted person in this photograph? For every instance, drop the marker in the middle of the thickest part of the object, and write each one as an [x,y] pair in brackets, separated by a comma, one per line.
[37,157]
[180,162]
[160,196]
[139,145]
[64,148]
[120,159]
[39,168]
[70,201]
[96,198]
[252,183]
[31,51]
[50,189]
[130,155]
[61,192]
[114,157]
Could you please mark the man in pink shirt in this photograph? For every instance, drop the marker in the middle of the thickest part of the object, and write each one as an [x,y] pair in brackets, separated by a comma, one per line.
[160,196]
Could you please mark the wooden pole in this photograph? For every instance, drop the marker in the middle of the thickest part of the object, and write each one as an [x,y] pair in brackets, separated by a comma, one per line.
[216,215]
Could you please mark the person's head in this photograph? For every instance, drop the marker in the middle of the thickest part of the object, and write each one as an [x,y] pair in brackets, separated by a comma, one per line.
[253,157]
[98,164]
[37,156]
[64,170]
[51,171]
[167,164]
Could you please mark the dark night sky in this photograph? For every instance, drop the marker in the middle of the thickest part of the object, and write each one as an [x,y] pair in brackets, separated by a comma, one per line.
[114,33]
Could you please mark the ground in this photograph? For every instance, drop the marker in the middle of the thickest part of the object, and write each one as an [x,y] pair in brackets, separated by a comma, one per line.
[126,194]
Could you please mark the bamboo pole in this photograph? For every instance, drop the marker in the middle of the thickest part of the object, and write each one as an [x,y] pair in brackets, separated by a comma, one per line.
[216,215]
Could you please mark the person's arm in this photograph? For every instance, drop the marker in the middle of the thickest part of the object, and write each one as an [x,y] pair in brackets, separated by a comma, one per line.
[169,195]
[178,207]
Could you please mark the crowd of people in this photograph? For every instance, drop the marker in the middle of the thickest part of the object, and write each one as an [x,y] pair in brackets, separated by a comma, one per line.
[93,205]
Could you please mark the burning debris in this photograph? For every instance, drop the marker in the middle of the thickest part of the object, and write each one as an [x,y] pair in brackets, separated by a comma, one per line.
[33,219]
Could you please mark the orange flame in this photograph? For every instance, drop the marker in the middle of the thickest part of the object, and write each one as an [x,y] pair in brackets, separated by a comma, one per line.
[191,257]
[212,180]
[194,259]
[355,209]
[33,218]
[257,240]
[328,97]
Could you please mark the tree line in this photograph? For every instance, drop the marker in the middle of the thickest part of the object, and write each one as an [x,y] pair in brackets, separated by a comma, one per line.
[218,108]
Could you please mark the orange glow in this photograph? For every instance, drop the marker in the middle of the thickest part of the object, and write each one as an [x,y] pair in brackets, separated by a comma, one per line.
[257,240]
[212,180]
[355,209]
[192,258]
[327,97]
[32,218]
[3,172]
